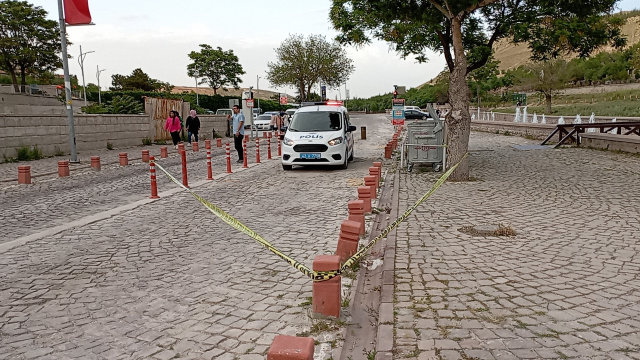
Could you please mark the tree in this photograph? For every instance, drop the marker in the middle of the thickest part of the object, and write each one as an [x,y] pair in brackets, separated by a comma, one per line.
[303,62]
[123,104]
[216,68]
[465,32]
[138,80]
[545,77]
[29,43]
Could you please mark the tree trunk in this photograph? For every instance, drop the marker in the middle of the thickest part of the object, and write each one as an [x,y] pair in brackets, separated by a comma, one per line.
[23,79]
[302,93]
[14,80]
[215,91]
[459,119]
[548,101]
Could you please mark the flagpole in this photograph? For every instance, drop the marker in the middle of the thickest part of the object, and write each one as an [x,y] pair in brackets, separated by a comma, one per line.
[67,84]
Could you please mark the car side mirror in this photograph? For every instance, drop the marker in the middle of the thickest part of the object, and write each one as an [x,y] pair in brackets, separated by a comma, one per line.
[352,128]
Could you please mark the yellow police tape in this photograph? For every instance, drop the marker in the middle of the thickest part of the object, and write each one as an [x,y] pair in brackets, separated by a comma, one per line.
[314,275]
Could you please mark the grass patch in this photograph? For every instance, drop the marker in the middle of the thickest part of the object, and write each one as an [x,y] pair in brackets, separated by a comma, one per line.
[109,146]
[161,142]
[26,153]
[346,302]
[504,230]
[147,141]
[58,152]
[307,302]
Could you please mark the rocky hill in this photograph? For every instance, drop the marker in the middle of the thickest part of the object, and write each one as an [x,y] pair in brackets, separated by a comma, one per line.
[511,55]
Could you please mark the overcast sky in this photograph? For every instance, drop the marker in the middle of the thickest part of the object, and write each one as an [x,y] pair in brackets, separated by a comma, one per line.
[157,35]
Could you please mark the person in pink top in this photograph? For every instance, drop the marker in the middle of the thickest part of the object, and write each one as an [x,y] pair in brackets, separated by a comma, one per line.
[173,126]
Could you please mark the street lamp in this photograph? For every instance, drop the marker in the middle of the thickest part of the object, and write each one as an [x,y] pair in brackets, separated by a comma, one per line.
[81,62]
[197,97]
[99,89]
[258,91]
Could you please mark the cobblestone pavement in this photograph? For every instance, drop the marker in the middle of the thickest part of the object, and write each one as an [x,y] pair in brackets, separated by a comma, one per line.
[566,286]
[168,279]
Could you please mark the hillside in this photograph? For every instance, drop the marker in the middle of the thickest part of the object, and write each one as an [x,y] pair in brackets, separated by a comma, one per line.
[511,55]
[261,94]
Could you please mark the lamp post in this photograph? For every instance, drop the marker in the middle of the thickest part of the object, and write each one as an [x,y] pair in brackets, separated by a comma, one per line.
[81,63]
[197,96]
[67,83]
[99,89]
[258,91]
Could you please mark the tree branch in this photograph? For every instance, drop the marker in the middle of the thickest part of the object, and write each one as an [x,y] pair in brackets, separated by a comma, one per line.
[446,13]
[446,49]
[480,63]
[482,3]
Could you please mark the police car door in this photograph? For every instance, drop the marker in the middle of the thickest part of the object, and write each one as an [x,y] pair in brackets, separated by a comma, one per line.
[348,135]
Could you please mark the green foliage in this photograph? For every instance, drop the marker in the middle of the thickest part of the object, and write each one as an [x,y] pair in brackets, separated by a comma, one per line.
[26,153]
[303,62]
[138,80]
[109,146]
[29,43]
[147,141]
[122,104]
[215,67]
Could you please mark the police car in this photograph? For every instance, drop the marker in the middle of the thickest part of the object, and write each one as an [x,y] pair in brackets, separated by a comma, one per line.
[318,134]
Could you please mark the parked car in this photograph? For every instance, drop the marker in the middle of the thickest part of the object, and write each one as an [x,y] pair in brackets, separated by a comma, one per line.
[417,115]
[224,112]
[319,135]
[256,112]
[262,122]
[412,108]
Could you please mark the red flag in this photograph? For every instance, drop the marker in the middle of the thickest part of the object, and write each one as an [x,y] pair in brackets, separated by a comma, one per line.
[76,12]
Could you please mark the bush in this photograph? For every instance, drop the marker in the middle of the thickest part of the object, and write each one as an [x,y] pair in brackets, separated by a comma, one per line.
[117,105]
[25,153]
[109,146]
[146,141]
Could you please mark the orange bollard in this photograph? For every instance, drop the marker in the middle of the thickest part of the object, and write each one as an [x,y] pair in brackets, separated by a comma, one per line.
[95,163]
[209,170]
[348,240]
[286,347]
[327,294]
[372,182]
[24,174]
[356,213]
[257,151]
[364,194]
[388,151]
[195,146]
[264,134]
[269,147]
[145,155]
[378,164]
[219,142]
[279,146]
[180,147]
[124,159]
[375,171]
[63,168]
[185,181]
[207,144]
[228,160]
[245,160]
[164,152]
[154,183]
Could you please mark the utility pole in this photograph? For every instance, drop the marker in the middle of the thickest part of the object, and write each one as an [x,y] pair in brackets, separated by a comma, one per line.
[197,96]
[99,89]
[81,62]
[67,83]
[258,91]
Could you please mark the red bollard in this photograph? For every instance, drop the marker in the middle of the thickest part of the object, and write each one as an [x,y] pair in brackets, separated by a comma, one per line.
[327,294]
[124,159]
[228,160]
[95,163]
[245,160]
[154,183]
[195,146]
[348,240]
[145,155]
[264,134]
[63,168]
[356,213]
[372,182]
[378,164]
[286,347]
[364,194]
[185,181]
[180,147]
[375,171]
[209,170]
[164,153]
[207,144]
[257,151]
[269,147]
[388,151]
[24,174]
[279,146]
[219,142]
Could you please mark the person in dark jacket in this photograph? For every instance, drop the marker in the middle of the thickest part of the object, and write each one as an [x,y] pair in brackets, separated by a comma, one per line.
[193,126]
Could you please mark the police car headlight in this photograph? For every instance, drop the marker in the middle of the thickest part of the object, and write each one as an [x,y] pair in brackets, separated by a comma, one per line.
[288,142]
[335,141]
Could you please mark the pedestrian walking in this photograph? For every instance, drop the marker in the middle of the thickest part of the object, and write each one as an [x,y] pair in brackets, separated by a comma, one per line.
[273,125]
[173,126]
[193,126]
[238,130]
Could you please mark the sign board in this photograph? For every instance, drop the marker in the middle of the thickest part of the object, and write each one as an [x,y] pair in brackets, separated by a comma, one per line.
[250,103]
[283,99]
[398,103]
[247,95]
[398,122]
[323,89]
[402,90]
[233,102]
[346,93]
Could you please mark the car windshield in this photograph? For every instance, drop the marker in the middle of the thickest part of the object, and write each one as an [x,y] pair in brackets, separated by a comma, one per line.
[316,121]
[223,112]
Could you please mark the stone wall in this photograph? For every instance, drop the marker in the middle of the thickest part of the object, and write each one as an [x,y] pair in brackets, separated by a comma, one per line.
[537,131]
[210,122]
[51,132]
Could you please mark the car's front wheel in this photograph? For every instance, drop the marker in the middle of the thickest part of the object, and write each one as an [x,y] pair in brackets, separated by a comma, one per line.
[287,167]
[345,165]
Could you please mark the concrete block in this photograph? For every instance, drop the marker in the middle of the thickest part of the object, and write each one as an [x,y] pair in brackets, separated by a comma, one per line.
[291,348]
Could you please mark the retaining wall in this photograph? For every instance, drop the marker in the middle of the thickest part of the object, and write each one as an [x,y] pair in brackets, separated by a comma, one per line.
[537,131]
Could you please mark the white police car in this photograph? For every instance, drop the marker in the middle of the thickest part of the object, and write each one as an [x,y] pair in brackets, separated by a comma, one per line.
[318,134]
